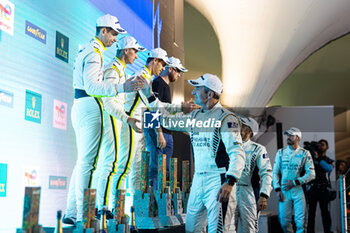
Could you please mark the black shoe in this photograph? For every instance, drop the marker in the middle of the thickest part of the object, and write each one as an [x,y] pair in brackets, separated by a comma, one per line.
[109,215]
[68,220]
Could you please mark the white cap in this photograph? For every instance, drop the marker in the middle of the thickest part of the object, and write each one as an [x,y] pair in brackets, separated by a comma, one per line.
[129,42]
[210,81]
[293,131]
[251,123]
[176,63]
[110,21]
[160,54]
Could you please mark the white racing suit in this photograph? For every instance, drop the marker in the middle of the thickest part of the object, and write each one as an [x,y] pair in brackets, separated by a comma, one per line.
[87,120]
[216,142]
[115,119]
[289,165]
[246,212]
[131,143]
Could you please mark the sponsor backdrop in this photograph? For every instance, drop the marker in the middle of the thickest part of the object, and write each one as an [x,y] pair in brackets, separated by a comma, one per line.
[38,44]
[3,179]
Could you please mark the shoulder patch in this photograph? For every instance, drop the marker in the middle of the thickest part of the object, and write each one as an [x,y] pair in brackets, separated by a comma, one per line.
[265,156]
[116,61]
[232,125]
[303,149]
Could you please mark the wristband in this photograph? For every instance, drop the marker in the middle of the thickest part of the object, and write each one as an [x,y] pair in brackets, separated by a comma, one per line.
[230,180]
[296,182]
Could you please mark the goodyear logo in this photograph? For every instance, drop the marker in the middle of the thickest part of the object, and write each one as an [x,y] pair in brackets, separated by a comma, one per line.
[62,47]
[3,179]
[6,98]
[35,32]
[33,107]
[57,182]
[7,10]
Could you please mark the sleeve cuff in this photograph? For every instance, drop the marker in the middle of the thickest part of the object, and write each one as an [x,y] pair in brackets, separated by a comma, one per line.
[296,182]
[264,195]
[278,189]
[151,98]
[178,107]
[231,180]
[120,88]
[125,118]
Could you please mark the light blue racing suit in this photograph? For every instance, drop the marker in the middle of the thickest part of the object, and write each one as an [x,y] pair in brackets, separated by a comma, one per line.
[115,119]
[289,165]
[87,120]
[218,153]
[246,212]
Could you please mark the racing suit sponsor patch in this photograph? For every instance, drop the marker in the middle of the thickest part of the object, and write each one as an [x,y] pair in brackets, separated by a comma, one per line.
[231,125]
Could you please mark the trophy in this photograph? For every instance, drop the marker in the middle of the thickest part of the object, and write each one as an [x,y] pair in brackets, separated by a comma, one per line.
[176,193]
[89,223]
[119,224]
[185,183]
[163,194]
[144,201]
[31,211]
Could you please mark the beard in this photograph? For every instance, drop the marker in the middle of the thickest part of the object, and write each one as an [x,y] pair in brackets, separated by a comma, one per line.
[172,78]
[290,142]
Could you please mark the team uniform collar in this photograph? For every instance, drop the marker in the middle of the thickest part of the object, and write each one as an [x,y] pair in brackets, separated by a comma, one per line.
[246,142]
[217,105]
[149,73]
[101,47]
[120,62]
[291,149]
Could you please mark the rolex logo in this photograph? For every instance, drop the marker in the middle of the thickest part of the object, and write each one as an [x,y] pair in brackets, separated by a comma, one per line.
[33,102]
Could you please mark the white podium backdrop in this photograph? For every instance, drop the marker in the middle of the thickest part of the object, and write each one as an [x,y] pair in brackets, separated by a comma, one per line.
[39,149]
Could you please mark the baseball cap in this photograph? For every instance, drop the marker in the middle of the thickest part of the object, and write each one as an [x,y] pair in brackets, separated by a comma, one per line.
[129,42]
[210,81]
[160,54]
[251,123]
[176,63]
[110,21]
[293,131]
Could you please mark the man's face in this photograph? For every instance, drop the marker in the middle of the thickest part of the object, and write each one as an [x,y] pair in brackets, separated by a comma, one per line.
[174,74]
[342,166]
[108,37]
[159,66]
[292,139]
[245,132]
[200,97]
[130,55]
[323,146]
